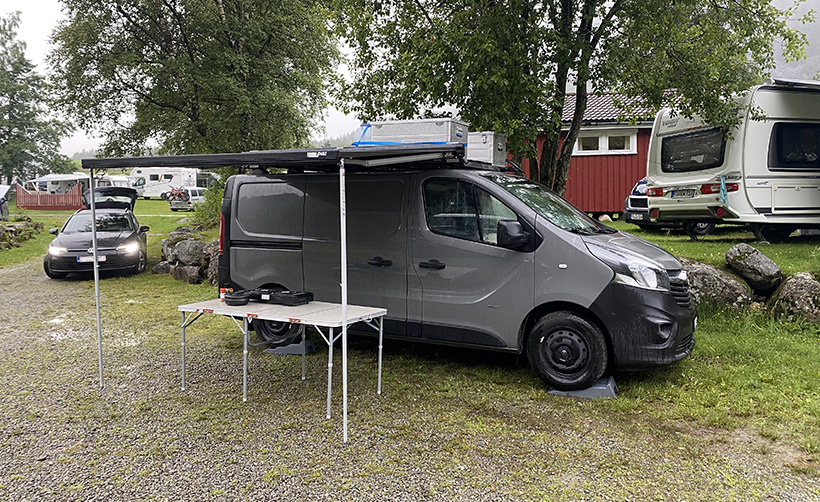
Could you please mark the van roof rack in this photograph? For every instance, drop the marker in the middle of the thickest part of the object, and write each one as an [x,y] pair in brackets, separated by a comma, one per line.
[320,159]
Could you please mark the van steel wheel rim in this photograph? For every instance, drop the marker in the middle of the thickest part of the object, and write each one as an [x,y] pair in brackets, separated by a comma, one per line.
[566,350]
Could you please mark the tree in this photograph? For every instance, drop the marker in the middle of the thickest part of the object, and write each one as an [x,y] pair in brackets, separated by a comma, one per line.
[505,64]
[29,138]
[193,76]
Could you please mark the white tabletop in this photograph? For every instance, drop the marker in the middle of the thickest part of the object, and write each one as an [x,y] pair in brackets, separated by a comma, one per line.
[315,313]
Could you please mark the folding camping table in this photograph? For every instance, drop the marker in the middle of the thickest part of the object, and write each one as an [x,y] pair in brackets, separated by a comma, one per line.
[320,315]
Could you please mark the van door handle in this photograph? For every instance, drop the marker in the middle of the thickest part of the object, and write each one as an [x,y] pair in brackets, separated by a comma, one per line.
[432,264]
[378,261]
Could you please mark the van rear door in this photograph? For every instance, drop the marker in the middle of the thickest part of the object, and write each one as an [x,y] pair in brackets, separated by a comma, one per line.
[266,234]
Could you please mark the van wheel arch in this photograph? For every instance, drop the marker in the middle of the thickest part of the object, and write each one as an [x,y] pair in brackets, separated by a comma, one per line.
[547,308]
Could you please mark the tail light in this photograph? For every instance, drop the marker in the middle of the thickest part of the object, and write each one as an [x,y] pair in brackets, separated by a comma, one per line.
[221,234]
[654,192]
[715,188]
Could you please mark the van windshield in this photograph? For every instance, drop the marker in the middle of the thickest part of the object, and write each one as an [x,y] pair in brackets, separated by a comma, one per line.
[549,205]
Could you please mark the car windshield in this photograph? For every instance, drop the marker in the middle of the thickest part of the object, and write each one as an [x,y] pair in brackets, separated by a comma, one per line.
[81,222]
[549,205]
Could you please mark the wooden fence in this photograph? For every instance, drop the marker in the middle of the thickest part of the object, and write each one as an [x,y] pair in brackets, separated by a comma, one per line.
[71,200]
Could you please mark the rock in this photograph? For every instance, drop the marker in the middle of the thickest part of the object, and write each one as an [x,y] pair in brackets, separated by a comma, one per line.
[212,253]
[799,295]
[163,267]
[191,252]
[709,283]
[754,267]
[604,218]
[187,273]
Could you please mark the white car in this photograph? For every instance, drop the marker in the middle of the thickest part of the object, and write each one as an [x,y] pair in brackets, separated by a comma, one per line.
[186,199]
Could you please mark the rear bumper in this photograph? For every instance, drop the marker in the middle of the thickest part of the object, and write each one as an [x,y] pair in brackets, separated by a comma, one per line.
[646,328]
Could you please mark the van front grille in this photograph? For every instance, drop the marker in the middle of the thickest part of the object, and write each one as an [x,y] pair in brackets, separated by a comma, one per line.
[679,287]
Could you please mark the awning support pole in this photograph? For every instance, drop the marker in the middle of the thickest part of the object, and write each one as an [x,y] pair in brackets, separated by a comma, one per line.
[96,274]
[343,233]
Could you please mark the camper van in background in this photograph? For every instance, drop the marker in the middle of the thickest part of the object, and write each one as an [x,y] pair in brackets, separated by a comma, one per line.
[766,175]
[155,181]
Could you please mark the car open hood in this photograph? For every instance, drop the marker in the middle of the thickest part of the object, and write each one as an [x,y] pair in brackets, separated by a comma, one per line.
[111,198]
[638,246]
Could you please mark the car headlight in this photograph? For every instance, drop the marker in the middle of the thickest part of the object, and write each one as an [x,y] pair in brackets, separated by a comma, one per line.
[128,247]
[57,250]
[632,269]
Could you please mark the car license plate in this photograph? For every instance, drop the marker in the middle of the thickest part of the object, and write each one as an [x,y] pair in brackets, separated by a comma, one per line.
[635,216]
[683,194]
[85,259]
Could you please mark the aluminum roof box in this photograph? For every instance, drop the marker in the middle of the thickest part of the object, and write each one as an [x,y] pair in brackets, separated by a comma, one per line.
[443,130]
[487,146]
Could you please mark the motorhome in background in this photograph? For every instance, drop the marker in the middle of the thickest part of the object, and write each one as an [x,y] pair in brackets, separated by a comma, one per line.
[766,174]
[155,181]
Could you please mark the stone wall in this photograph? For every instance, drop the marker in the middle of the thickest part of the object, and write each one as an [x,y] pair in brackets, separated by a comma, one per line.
[13,233]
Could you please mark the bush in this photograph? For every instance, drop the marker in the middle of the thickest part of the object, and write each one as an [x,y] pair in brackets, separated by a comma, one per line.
[206,213]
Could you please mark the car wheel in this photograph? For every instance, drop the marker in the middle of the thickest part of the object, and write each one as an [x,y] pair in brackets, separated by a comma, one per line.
[700,228]
[276,334]
[567,351]
[50,274]
[141,263]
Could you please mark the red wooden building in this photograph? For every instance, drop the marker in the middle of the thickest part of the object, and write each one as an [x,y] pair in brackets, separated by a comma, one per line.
[609,156]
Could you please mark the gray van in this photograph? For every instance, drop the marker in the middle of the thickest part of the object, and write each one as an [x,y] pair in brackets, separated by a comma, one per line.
[466,255]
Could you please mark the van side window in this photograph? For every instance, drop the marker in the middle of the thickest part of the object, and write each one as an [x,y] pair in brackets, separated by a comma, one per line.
[461,210]
[693,151]
[795,145]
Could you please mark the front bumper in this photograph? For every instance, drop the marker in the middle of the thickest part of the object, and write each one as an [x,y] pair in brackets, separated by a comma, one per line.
[647,328]
[114,260]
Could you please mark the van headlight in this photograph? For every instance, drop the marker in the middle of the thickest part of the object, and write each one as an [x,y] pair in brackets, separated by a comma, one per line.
[57,250]
[632,269]
[129,247]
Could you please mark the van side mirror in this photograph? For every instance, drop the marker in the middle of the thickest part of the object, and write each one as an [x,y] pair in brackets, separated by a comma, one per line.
[53,231]
[511,234]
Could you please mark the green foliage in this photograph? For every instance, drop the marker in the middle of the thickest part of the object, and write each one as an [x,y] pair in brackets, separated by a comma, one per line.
[29,138]
[207,212]
[194,76]
[505,65]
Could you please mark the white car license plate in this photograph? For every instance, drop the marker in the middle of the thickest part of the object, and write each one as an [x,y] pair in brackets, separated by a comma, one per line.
[636,216]
[683,194]
[85,259]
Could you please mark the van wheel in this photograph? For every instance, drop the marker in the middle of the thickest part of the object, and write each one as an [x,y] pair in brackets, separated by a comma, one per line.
[567,351]
[277,334]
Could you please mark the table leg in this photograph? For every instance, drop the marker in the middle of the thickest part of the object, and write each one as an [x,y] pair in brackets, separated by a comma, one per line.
[245,341]
[379,386]
[329,369]
[183,351]
[303,329]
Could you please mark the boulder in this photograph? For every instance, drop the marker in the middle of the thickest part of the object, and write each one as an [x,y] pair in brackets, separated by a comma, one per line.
[604,218]
[212,253]
[710,283]
[754,267]
[163,267]
[191,252]
[799,295]
[187,273]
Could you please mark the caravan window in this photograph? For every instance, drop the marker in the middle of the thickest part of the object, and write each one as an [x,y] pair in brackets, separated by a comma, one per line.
[168,177]
[693,151]
[795,145]
[153,177]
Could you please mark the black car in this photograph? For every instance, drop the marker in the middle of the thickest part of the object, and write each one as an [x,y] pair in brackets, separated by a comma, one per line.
[121,240]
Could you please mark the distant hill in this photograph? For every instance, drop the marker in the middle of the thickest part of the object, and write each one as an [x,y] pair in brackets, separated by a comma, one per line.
[808,68]
[344,140]
[85,154]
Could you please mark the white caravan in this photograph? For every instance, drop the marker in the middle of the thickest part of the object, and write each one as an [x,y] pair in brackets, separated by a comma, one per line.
[155,181]
[767,175]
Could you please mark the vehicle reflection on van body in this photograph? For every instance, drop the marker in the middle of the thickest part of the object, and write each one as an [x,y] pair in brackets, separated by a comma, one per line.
[465,257]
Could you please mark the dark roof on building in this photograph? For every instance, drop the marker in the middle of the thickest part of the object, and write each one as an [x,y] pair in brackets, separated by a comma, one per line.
[601,109]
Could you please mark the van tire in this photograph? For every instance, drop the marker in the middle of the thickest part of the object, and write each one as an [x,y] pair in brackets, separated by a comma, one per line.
[275,334]
[567,351]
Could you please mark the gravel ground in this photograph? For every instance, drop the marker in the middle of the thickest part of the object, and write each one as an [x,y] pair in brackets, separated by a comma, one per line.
[428,437]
